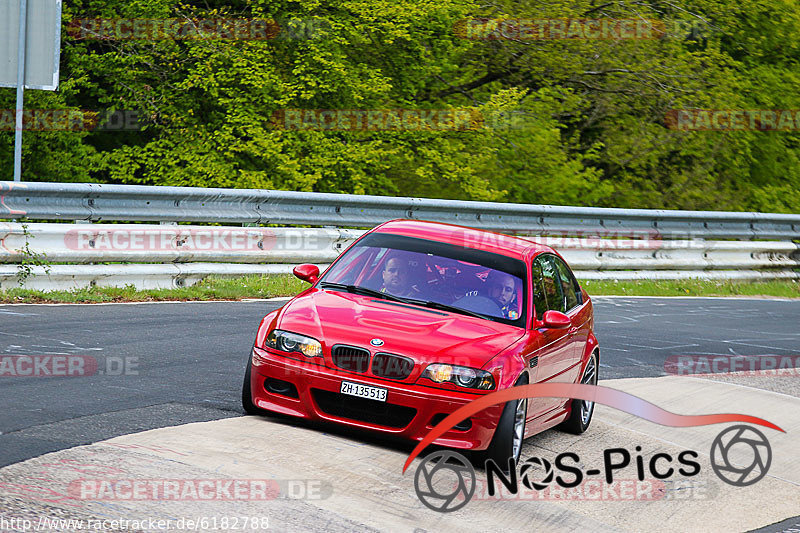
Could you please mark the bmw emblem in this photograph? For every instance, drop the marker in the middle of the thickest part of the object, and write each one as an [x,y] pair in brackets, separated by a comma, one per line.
[376,342]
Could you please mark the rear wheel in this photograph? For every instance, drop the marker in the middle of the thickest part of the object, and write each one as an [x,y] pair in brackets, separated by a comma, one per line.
[582,410]
[510,433]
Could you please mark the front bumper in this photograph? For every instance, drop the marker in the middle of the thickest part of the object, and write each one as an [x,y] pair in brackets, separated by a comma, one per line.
[408,411]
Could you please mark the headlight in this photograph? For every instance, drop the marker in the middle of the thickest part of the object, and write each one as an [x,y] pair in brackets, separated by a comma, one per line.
[463,376]
[287,341]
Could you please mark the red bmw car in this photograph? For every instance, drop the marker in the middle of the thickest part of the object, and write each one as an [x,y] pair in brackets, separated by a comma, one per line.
[414,320]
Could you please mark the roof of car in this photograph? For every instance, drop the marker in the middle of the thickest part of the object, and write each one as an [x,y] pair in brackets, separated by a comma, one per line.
[463,236]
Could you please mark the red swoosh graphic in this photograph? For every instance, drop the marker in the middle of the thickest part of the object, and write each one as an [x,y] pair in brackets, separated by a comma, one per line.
[617,399]
[10,211]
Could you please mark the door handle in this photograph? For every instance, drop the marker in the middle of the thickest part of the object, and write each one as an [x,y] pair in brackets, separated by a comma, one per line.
[573,330]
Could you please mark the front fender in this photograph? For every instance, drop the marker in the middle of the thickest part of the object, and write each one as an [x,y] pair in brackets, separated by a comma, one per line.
[268,323]
[508,365]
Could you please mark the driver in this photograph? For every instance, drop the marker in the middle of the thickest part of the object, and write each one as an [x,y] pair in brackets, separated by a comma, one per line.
[396,279]
[502,289]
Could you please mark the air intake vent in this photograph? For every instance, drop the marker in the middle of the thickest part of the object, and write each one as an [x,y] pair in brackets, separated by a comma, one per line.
[391,366]
[370,411]
[350,358]
[464,425]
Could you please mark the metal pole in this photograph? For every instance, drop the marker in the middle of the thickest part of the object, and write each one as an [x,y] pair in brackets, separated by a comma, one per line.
[23,14]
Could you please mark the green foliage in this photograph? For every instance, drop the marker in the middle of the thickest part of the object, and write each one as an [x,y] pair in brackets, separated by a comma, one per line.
[789,288]
[29,259]
[576,122]
[215,288]
[210,288]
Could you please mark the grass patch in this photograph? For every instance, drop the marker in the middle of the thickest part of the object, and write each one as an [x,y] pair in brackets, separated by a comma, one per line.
[211,288]
[693,287]
[269,286]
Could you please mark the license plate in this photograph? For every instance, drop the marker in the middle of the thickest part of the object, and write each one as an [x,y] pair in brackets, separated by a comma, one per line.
[363,391]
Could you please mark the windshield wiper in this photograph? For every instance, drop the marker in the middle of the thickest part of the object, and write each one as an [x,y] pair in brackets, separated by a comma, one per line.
[357,289]
[442,307]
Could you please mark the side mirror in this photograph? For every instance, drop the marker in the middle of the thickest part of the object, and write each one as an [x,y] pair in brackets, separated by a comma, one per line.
[307,272]
[556,320]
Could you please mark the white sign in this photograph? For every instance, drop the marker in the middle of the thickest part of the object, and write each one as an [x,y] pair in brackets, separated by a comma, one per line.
[43,43]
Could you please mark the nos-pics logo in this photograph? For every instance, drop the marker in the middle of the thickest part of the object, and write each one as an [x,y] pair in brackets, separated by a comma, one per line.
[446,481]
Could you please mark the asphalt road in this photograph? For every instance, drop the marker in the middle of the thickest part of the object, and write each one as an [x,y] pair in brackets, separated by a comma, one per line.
[637,335]
[186,360]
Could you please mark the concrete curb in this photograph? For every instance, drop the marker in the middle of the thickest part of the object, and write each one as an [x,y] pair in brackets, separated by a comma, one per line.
[344,481]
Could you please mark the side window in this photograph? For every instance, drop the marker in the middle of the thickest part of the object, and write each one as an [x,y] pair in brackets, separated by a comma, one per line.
[539,301]
[569,286]
[547,291]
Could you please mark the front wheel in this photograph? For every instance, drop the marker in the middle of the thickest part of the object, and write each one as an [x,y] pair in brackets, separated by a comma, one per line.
[247,394]
[582,410]
[510,433]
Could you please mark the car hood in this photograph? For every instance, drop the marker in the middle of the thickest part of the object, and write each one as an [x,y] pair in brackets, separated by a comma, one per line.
[426,335]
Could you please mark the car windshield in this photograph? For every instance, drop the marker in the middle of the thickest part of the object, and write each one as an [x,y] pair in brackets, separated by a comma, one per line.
[434,274]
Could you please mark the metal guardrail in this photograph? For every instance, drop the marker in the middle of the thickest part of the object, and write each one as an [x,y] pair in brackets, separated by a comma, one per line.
[166,256]
[142,276]
[146,243]
[176,275]
[97,202]
[599,243]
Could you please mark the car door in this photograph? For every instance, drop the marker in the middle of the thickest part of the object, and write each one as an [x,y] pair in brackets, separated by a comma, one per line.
[555,350]
[578,313]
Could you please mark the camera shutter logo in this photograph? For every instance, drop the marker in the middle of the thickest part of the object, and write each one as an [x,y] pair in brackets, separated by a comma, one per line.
[738,437]
[450,499]
[526,473]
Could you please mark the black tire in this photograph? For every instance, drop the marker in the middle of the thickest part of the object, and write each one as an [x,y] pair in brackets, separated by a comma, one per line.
[501,449]
[247,394]
[579,419]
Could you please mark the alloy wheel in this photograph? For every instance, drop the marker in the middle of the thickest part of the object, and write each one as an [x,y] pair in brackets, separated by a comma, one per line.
[589,378]
[519,427]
